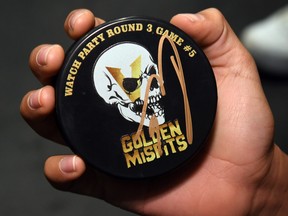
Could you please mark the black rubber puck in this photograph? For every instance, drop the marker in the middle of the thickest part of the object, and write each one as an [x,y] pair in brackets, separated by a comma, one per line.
[136,98]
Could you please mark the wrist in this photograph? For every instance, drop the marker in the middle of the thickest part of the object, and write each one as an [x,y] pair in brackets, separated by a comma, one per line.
[272,194]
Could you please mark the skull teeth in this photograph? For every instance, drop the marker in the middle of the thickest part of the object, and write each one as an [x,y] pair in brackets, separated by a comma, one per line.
[131,106]
[139,102]
[157,114]
[151,102]
[154,107]
[154,99]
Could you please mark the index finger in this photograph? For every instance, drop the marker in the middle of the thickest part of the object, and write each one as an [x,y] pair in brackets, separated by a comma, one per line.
[79,22]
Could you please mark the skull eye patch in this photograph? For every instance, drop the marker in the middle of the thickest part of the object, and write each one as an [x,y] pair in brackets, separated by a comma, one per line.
[131,84]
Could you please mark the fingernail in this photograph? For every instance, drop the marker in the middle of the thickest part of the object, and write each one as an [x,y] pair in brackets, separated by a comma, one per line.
[34,101]
[194,17]
[74,18]
[68,164]
[41,57]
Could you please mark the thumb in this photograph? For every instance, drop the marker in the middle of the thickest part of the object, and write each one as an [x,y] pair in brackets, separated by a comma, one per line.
[205,27]
[213,33]
[62,170]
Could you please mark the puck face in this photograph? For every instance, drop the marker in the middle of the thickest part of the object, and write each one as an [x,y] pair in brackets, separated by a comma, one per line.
[136,98]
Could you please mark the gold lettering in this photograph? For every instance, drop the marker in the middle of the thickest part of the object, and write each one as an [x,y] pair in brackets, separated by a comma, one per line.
[164,130]
[70,84]
[149,28]
[165,33]
[131,27]
[166,139]
[117,30]
[133,159]
[76,64]
[174,37]
[101,37]
[179,41]
[86,51]
[124,28]
[110,33]
[73,71]
[150,155]
[159,30]
[68,91]
[145,142]
[94,42]
[157,150]
[137,143]
[95,39]
[126,144]
[192,53]
[91,46]
[170,142]
[139,26]
[165,150]
[81,55]
[70,77]
[143,157]
[181,142]
[174,129]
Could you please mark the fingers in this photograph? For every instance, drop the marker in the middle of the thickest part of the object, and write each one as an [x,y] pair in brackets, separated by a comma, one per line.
[37,108]
[80,21]
[62,170]
[69,173]
[45,61]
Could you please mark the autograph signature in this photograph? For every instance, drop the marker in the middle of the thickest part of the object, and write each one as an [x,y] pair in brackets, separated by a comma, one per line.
[154,124]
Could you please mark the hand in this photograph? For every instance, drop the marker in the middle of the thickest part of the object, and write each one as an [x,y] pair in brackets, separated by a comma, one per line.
[230,177]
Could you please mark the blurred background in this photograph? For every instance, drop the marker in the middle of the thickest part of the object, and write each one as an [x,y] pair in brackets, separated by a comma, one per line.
[26,24]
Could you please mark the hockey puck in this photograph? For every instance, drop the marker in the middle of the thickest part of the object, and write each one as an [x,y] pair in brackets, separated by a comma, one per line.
[136,98]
